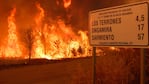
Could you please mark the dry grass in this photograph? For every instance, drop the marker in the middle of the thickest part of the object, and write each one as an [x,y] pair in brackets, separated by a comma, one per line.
[118,67]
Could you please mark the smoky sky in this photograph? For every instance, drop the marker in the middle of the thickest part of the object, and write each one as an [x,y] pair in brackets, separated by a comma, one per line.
[76,14]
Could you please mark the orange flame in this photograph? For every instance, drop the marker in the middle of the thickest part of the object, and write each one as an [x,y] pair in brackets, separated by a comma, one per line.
[51,41]
[38,48]
[59,40]
[40,16]
[114,48]
[12,48]
[67,3]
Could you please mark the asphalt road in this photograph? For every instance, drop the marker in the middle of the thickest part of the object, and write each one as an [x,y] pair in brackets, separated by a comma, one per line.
[77,71]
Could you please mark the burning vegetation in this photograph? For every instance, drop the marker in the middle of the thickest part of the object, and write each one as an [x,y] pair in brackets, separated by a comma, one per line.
[37,30]
[45,38]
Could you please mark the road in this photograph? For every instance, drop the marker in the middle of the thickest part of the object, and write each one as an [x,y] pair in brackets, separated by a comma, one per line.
[62,72]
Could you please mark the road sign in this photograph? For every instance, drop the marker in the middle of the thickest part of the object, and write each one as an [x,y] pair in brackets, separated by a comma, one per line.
[125,25]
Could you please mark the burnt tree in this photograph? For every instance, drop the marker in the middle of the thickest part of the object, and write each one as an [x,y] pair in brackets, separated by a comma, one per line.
[29,40]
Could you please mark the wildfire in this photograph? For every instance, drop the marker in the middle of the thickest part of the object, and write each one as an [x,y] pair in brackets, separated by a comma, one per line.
[114,48]
[12,48]
[67,3]
[57,41]
[47,40]
[38,48]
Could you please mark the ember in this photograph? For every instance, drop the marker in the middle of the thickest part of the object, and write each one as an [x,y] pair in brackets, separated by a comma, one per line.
[67,3]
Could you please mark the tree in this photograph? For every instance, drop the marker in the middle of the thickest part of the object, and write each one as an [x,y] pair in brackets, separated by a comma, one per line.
[28,39]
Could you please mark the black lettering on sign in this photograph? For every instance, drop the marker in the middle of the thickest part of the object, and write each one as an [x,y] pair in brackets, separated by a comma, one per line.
[95,23]
[103,37]
[110,21]
[101,29]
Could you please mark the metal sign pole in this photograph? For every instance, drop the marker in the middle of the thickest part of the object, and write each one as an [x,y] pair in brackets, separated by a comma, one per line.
[94,65]
[142,53]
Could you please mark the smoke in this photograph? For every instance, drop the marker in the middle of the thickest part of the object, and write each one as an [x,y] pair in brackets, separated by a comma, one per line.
[22,17]
[26,12]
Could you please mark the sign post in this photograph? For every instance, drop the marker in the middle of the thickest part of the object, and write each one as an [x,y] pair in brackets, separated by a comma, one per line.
[94,65]
[142,67]
[122,26]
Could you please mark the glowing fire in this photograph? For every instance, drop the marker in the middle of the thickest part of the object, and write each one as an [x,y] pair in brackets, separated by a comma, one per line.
[37,45]
[12,48]
[67,3]
[50,40]
[114,48]
[54,41]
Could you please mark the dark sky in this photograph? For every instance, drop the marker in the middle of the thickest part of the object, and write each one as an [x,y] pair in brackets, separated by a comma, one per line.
[76,14]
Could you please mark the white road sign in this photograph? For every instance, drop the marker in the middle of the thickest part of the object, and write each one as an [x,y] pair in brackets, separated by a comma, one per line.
[125,25]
